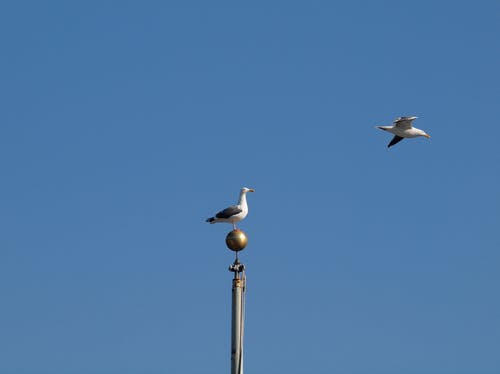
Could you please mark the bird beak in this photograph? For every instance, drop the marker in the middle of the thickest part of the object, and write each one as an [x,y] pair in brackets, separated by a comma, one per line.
[251,190]
[427,136]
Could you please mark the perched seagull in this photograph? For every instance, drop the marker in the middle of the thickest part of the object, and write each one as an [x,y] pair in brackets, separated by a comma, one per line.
[234,213]
[403,129]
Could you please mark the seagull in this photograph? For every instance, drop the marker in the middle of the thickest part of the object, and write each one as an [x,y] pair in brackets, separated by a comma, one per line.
[234,213]
[403,129]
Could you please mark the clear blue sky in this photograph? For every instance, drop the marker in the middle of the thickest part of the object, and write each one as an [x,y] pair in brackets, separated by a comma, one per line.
[125,124]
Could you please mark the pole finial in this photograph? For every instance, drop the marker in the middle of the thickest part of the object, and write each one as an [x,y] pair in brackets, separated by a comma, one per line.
[236,240]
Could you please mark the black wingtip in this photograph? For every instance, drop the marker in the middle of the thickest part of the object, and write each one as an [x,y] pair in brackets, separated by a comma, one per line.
[210,220]
[395,140]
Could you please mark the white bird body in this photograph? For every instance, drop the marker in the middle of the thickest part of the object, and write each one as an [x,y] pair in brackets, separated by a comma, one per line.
[233,213]
[403,133]
[402,128]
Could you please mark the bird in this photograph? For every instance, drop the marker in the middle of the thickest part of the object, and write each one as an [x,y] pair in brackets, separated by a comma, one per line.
[233,213]
[403,129]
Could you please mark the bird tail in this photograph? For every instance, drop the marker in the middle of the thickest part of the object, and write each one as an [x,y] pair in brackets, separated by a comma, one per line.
[210,220]
[382,127]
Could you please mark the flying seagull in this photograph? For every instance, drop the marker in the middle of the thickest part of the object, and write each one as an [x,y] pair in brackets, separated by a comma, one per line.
[234,213]
[403,129]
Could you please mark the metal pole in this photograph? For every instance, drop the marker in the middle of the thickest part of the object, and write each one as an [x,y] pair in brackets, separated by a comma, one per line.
[237,317]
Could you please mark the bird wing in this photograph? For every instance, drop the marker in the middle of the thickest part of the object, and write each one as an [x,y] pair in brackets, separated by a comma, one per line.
[395,140]
[403,123]
[229,212]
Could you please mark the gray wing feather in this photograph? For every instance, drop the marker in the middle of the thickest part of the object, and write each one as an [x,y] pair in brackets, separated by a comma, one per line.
[229,212]
[403,122]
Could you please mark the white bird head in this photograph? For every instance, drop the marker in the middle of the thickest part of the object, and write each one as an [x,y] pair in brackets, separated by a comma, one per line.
[423,133]
[246,189]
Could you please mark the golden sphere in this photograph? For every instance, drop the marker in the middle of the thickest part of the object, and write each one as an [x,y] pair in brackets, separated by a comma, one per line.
[236,240]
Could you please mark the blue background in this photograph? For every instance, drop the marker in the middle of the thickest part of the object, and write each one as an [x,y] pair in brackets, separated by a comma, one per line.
[125,124]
